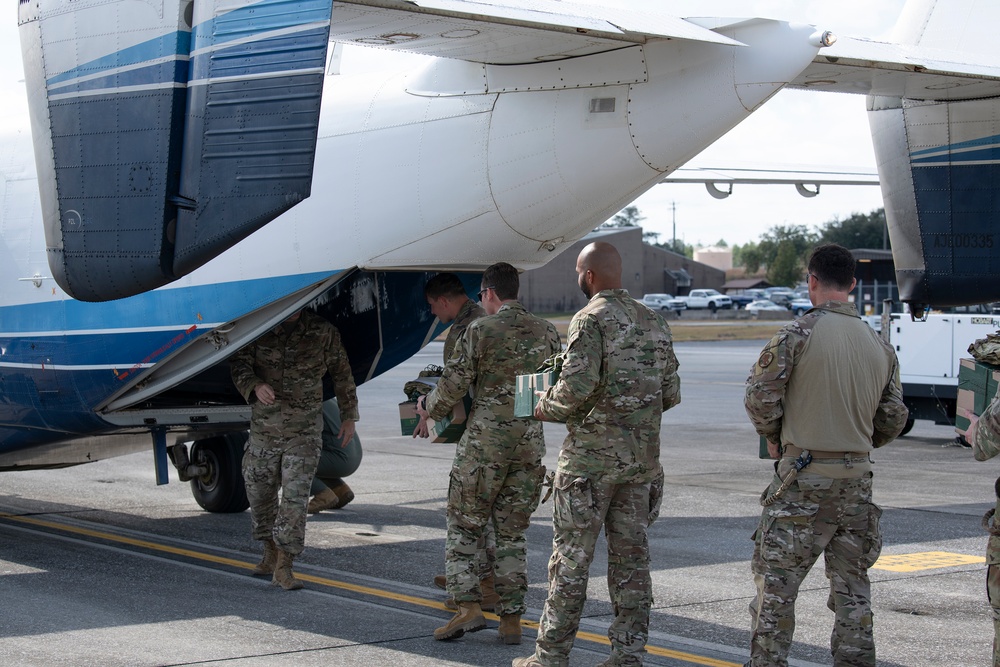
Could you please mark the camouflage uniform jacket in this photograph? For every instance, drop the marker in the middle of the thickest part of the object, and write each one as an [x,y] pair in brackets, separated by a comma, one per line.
[618,376]
[855,406]
[469,312]
[986,444]
[292,358]
[492,352]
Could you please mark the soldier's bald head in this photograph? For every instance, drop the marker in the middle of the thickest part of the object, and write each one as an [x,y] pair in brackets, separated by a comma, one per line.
[603,259]
[599,267]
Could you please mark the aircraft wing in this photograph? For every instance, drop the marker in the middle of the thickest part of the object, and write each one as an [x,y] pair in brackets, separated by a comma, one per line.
[915,72]
[802,177]
[505,33]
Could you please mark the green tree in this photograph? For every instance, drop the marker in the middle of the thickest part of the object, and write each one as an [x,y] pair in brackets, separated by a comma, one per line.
[860,230]
[786,268]
[627,217]
[681,248]
[742,254]
[799,241]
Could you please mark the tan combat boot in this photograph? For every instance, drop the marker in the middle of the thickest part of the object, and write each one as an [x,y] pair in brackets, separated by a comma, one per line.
[283,572]
[330,499]
[266,565]
[468,619]
[441,581]
[344,493]
[323,500]
[530,661]
[510,629]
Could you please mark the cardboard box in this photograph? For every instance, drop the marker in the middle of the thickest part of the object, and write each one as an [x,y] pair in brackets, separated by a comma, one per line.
[977,385]
[449,429]
[973,375]
[525,386]
[408,417]
[962,424]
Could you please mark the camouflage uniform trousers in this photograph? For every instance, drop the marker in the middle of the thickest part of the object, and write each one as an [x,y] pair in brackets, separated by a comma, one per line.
[499,484]
[580,507]
[993,575]
[486,552]
[288,464]
[816,515]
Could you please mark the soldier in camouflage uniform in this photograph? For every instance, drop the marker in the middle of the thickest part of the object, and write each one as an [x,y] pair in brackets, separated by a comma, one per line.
[281,376]
[449,303]
[985,445]
[618,376]
[497,473]
[825,389]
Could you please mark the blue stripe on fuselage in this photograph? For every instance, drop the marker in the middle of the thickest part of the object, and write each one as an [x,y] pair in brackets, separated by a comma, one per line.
[155,74]
[177,307]
[239,24]
[171,45]
[48,401]
[972,143]
[305,50]
[986,154]
[258,18]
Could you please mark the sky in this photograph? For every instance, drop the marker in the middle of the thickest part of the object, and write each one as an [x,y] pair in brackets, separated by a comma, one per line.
[794,127]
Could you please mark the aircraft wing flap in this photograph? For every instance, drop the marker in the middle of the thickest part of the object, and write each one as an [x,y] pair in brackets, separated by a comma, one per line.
[509,33]
[880,68]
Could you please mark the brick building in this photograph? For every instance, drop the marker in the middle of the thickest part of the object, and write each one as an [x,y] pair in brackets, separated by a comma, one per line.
[646,269]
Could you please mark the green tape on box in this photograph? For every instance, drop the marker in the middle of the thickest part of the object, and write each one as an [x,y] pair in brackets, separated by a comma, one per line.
[525,387]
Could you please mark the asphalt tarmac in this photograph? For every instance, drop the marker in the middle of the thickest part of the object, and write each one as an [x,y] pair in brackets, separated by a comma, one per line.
[99,566]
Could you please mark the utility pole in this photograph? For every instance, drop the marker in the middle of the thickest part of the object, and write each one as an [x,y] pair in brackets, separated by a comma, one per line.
[673,211]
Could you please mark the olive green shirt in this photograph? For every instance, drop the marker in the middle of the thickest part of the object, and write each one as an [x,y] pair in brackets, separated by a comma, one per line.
[827,382]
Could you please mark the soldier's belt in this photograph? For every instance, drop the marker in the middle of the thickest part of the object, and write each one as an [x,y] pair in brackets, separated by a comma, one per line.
[791,451]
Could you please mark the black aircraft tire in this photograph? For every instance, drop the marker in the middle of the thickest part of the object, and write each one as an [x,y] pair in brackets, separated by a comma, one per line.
[221,490]
[908,426]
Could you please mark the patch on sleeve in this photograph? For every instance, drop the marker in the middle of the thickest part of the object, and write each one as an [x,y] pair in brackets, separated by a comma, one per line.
[766,359]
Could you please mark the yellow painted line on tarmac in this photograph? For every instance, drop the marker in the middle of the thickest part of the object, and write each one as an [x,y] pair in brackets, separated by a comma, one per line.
[924,560]
[333,583]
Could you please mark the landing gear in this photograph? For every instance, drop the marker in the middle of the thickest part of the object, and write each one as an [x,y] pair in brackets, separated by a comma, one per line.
[908,426]
[215,471]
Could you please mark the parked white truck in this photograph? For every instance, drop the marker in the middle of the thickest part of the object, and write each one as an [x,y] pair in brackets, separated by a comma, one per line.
[706,298]
[929,353]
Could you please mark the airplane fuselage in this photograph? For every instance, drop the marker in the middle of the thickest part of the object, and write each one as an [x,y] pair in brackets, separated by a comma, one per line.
[456,166]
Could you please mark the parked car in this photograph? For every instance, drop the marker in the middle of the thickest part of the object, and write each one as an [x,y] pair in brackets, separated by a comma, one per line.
[799,306]
[746,296]
[764,304]
[779,295]
[707,298]
[663,302]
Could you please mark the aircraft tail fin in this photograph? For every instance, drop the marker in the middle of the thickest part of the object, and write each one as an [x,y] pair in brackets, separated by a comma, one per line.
[939,165]
[166,132]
